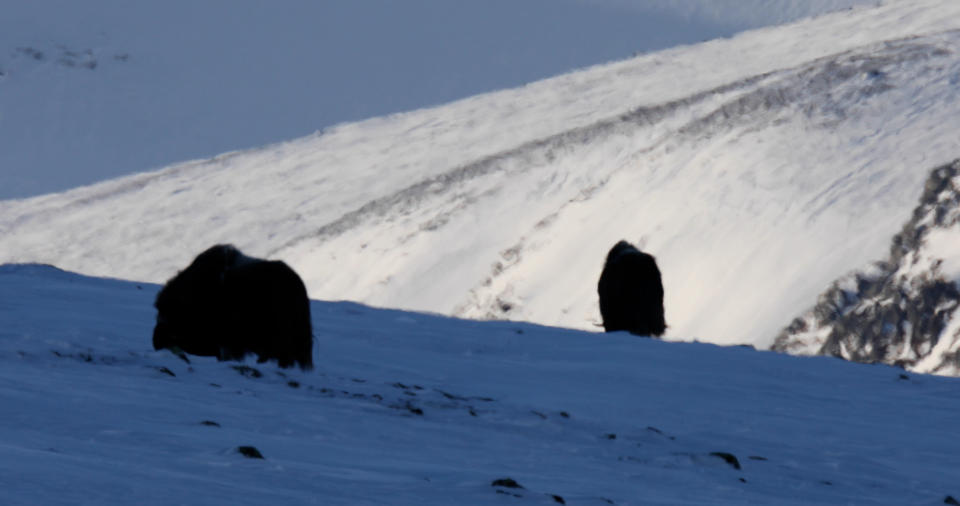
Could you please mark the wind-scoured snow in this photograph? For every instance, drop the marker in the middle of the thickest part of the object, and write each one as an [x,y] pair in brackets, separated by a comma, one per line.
[756,169]
[408,408]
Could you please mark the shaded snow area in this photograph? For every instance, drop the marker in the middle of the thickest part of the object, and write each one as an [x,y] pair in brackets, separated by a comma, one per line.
[101,88]
[757,169]
[410,408]
[904,310]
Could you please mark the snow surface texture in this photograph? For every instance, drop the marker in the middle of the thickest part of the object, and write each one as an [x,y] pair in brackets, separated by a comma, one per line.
[101,88]
[409,408]
[904,310]
[756,169]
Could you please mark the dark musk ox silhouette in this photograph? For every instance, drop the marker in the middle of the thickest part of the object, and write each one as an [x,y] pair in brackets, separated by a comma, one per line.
[227,305]
[631,292]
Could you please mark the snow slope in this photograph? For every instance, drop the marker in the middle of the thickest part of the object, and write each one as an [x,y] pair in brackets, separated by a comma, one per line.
[408,408]
[757,169]
[102,88]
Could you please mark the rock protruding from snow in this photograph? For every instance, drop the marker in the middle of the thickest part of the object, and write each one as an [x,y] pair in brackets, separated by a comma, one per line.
[903,310]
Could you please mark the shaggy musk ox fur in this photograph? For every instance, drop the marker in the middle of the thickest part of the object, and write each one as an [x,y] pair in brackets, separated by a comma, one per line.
[631,292]
[226,305]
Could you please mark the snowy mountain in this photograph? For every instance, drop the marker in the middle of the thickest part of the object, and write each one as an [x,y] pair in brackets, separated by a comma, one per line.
[903,310]
[102,88]
[411,409]
[757,169]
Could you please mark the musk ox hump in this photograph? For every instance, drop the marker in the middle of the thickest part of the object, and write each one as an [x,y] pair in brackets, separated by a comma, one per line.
[220,258]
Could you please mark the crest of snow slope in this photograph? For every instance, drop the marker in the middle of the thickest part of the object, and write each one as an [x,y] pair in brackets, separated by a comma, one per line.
[407,408]
[903,310]
[102,88]
[756,169]
[755,13]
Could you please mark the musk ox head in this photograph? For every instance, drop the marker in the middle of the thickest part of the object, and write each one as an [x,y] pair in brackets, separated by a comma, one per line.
[227,305]
[631,292]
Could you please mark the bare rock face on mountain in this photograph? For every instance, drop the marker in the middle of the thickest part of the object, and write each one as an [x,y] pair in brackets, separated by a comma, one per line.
[903,310]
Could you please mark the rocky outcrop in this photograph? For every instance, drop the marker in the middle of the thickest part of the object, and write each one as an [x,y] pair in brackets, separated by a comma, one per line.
[903,310]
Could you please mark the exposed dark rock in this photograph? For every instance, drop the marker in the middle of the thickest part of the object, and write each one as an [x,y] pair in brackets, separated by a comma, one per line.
[83,357]
[406,406]
[249,452]
[179,353]
[660,432]
[407,387]
[506,483]
[896,311]
[729,458]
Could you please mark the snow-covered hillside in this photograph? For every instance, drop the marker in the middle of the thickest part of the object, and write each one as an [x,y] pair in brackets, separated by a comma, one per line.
[408,408]
[102,88]
[904,310]
[757,169]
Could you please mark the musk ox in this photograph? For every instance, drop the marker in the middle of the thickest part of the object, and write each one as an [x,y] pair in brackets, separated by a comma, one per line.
[631,293]
[226,305]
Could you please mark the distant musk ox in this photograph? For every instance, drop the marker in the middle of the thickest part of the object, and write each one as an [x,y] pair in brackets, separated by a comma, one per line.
[631,292]
[226,305]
